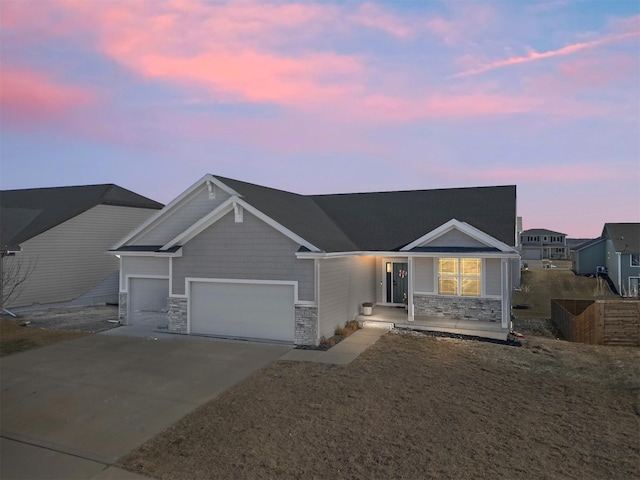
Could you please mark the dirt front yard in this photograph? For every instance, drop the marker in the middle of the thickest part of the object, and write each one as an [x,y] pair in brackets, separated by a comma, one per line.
[415,407]
[37,328]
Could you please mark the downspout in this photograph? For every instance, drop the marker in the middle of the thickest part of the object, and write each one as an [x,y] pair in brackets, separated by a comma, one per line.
[619,274]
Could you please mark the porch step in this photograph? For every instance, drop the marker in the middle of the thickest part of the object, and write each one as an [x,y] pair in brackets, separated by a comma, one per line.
[376,324]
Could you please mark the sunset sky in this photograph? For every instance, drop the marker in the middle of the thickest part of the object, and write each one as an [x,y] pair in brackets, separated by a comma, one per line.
[330,97]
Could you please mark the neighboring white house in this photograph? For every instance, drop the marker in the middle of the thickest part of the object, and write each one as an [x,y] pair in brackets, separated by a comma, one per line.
[539,243]
[61,235]
[232,259]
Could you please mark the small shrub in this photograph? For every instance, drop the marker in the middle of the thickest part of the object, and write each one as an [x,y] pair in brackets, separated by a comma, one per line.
[343,332]
[328,342]
[352,325]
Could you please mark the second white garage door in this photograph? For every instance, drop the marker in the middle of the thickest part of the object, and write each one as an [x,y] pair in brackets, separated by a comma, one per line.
[241,309]
[148,301]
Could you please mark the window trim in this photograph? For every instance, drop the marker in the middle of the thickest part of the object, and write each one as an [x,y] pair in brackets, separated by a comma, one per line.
[637,264]
[459,277]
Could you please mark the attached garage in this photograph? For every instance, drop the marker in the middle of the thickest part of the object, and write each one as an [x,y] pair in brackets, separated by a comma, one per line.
[243,308]
[147,300]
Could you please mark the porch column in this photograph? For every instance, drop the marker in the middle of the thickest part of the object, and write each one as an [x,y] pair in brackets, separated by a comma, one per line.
[506,293]
[410,288]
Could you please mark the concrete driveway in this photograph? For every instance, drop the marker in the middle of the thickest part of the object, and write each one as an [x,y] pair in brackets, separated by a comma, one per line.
[71,409]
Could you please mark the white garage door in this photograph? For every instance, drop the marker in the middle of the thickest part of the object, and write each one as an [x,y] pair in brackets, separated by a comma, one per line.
[247,310]
[147,300]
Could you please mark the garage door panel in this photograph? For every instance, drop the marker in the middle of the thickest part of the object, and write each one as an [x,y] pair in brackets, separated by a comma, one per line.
[247,310]
[147,295]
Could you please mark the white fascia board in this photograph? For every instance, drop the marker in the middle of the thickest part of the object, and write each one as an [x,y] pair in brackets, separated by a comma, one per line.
[465,228]
[177,253]
[202,224]
[232,204]
[401,254]
[171,207]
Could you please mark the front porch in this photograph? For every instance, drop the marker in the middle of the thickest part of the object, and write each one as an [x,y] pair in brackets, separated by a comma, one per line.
[399,317]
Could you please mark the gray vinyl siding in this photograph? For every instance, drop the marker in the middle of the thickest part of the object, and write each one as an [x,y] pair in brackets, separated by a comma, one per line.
[455,238]
[493,274]
[514,273]
[423,275]
[626,272]
[611,260]
[345,283]
[70,258]
[153,266]
[193,209]
[587,259]
[251,250]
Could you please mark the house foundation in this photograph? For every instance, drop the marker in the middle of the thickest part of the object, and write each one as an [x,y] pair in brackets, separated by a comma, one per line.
[177,315]
[306,326]
[459,308]
[122,307]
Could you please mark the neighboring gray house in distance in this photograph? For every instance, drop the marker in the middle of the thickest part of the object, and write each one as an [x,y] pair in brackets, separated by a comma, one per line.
[233,259]
[539,243]
[587,257]
[62,234]
[622,250]
[618,250]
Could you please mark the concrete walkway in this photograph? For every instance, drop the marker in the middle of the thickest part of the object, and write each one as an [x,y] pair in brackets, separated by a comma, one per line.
[344,352]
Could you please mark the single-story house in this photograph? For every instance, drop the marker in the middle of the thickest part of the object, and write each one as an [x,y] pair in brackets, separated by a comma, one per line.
[55,240]
[233,259]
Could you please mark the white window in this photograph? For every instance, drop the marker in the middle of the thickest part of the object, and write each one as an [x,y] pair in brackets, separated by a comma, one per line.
[635,259]
[460,276]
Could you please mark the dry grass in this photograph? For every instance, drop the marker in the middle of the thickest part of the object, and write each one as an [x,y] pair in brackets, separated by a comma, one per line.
[348,329]
[414,407]
[14,337]
[545,284]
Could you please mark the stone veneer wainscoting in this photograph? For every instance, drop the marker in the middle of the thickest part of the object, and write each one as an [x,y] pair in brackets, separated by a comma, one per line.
[122,307]
[306,326]
[177,314]
[460,308]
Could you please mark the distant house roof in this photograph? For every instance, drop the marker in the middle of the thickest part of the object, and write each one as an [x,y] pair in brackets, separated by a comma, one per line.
[625,236]
[383,221]
[588,243]
[27,213]
[540,231]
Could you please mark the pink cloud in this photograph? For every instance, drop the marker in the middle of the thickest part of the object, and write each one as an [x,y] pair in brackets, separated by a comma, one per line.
[534,56]
[30,97]
[254,76]
[241,52]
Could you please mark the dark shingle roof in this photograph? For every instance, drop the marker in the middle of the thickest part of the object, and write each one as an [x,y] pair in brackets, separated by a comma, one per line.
[541,231]
[383,221]
[587,243]
[625,236]
[30,212]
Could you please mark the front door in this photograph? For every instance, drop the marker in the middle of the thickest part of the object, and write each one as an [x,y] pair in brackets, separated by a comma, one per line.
[397,282]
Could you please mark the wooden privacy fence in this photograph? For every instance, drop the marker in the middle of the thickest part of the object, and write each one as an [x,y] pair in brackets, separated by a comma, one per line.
[598,322]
